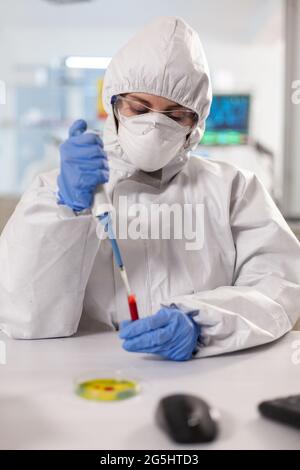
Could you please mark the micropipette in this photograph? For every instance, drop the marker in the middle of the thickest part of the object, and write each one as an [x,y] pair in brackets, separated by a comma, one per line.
[106,220]
[101,209]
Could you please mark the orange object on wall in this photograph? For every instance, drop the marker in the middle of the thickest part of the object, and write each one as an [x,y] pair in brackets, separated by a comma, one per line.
[101,113]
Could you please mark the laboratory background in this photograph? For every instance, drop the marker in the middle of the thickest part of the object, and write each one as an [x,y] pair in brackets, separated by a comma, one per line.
[53,59]
[54,55]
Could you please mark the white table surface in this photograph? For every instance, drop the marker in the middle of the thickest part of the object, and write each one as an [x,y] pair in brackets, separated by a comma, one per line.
[39,410]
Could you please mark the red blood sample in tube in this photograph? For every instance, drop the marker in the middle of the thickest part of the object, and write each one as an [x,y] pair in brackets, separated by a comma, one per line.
[133,307]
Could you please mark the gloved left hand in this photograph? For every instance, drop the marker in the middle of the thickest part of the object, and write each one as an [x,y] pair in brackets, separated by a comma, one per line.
[83,166]
[170,333]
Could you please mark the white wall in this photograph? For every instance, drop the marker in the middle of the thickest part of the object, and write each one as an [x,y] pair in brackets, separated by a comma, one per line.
[292,110]
[258,69]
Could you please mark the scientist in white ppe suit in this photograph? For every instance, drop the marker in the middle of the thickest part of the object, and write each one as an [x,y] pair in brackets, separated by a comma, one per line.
[238,286]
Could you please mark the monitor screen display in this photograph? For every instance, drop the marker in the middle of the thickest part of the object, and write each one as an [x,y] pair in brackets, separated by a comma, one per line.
[228,121]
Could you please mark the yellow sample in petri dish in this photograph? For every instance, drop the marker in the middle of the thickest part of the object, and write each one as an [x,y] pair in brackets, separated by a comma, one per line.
[107,389]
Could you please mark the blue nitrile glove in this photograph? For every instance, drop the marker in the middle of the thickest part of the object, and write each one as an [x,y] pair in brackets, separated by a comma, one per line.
[83,165]
[170,333]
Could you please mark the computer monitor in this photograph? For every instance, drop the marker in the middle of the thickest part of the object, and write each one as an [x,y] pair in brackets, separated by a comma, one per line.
[228,121]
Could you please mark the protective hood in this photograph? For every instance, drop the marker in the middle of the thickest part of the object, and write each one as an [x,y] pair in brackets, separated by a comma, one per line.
[165,59]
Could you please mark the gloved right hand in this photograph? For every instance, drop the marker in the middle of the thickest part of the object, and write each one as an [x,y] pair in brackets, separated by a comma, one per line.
[169,333]
[83,165]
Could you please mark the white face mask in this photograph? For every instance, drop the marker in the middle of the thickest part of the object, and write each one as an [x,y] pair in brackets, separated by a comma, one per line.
[152,140]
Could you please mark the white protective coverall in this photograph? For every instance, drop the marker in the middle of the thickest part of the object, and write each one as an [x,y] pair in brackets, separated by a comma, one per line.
[245,278]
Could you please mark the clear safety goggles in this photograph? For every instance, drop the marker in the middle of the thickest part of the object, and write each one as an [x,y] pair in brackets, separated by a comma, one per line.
[128,107]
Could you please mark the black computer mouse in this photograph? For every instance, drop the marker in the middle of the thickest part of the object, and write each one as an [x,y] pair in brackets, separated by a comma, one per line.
[187,419]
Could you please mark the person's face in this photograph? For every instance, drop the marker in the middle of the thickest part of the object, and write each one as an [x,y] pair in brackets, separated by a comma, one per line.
[140,103]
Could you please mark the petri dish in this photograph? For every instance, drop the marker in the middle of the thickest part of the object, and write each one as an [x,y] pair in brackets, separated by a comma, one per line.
[107,386]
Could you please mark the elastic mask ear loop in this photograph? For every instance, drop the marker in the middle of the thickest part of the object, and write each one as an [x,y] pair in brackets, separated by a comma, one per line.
[187,140]
[188,137]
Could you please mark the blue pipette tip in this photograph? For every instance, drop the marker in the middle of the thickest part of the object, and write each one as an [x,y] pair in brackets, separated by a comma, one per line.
[105,219]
